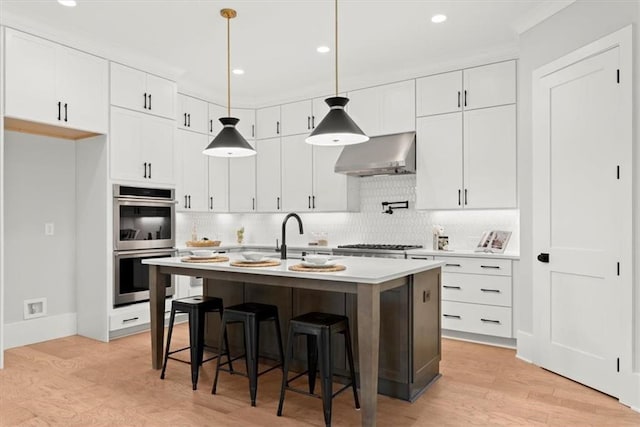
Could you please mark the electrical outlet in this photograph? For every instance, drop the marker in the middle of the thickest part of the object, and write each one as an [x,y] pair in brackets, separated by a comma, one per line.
[36,307]
[48,229]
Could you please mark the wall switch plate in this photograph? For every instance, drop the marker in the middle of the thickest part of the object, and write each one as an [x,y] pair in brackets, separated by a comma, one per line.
[48,229]
[36,307]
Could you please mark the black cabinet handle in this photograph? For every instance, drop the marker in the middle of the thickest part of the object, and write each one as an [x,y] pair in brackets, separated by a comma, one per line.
[495,267]
[452,265]
[145,169]
[458,99]
[189,201]
[59,111]
[253,131]
[459,200]
[189,120]
[451,287]
[65,112]
[452,316]
[185,120]
[490,321]
[309,202]
[313,202]
[465,196]
[308,122]
[465,98]
[426,296]
[496,291]
[211,203]
[278,127]
[145,101]
[186,205]
[278,203]
[313,122]
[543,257]
[211,126]
[253,203]
[149,101]
[130,320]
[149,170]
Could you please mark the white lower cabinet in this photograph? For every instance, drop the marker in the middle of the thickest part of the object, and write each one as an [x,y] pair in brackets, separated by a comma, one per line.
[477,295]
[133,315]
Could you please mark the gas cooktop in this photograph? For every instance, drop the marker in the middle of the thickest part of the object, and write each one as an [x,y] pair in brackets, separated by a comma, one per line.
[380,247]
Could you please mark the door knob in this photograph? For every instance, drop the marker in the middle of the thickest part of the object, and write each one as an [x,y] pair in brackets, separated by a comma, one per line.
[543,257]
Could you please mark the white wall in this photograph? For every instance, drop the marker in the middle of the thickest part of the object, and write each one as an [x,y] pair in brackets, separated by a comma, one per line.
[1,200]
[40,175]
[579,24]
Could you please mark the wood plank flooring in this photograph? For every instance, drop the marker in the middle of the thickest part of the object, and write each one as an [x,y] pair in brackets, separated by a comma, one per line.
[76,381]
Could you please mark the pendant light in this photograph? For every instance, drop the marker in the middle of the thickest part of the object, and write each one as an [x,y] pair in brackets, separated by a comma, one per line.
[229,142]
[337,128]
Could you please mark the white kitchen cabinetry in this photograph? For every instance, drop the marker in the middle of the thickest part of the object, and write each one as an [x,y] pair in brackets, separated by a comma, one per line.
[297,174]
[268,122]
[384,109]
[268,182]
[192,114]
[140,91]
[218,184]
[479,87]
[141,147]
[477,295]
[296,118]
[247,124]
[53,84]
[320,110]
[192,188]
[242,184]
[215,113]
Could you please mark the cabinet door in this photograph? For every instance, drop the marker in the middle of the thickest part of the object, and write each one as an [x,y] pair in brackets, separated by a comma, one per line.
[268,122]
[192,114]
[30,78]
[247,124]
[125,145]
[242,184]
[268,191]
[439,94]
[215,113]
[439,162]
[218,184]
[192,192]
[364,109]
[162,96]
[490,85]
[490,157]
[297,175]
[128,87]
[330,189]
[158,148]
[398,107]
[296,118]
[82,86]
[319,110]
[426,323]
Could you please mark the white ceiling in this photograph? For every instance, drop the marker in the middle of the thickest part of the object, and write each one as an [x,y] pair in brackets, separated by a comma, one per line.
[275,41]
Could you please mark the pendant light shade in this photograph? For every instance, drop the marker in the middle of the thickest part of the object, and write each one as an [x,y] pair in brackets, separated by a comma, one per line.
[229,142]
[337,128]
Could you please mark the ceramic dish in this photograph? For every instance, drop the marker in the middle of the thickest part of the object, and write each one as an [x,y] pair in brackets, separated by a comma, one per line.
[314,265]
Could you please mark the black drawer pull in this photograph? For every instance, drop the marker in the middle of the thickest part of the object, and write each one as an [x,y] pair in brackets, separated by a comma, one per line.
[497,291]
[452,316]
[149,101]
[452,265]
[496,267]
[491,321]
[423,258]
[451,287]
[145,101]
[130,320]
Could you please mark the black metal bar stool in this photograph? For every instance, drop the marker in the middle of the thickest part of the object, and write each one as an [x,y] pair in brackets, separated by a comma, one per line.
[196,307]
[318,327]
[250,315]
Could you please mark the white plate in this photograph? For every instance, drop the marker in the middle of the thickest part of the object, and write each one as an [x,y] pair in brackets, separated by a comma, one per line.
[203,257]
[325,265]
[255,261]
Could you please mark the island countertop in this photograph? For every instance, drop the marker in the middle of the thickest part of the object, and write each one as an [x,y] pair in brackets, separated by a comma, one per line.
[359,269]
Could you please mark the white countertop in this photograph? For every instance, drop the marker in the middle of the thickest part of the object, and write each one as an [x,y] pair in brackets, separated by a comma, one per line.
[463,253]
[266,246]
[359,270]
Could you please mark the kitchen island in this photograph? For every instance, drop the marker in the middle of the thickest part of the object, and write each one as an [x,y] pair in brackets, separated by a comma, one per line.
[410,316]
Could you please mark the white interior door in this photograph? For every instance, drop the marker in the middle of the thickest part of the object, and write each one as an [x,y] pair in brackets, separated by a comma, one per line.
[581,216]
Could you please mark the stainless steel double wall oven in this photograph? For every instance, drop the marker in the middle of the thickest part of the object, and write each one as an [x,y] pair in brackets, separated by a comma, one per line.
[143,227]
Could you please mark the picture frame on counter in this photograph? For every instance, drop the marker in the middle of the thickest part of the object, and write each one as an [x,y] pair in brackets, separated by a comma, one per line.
[494,241]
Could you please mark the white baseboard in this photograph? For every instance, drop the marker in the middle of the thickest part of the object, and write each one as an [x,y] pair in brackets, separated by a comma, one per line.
[479,339]
[526,345]
[40,329]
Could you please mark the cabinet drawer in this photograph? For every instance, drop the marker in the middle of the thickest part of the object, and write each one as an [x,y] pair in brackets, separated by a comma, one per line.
[422,257]
[476,318]
[500,267]
[479,289]
[130,318]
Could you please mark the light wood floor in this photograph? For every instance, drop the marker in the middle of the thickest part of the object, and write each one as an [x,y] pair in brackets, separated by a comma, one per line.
[76,381]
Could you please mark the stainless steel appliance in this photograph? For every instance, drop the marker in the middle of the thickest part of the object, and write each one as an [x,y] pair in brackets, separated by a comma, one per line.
[143,227]
[374,250]
[143,218]
[381,155]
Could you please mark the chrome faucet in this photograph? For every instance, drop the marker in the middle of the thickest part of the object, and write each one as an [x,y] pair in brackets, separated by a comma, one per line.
[283,246]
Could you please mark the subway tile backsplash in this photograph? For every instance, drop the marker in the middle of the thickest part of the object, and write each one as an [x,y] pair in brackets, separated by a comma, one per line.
[370,225]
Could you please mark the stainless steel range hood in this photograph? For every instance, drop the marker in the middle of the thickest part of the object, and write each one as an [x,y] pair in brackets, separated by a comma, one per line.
[381,155]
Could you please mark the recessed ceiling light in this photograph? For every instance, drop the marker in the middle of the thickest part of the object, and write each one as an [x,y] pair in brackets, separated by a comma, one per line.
[238,71]
[437,19]
[323,49]
[68,3]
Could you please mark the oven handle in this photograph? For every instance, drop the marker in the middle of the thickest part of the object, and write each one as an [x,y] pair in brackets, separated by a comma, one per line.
[141,200]
[144,252]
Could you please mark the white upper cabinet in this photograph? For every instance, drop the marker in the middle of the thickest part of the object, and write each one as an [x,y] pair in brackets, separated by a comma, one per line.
[215,113]
[193,114]
[385,109]
[141,147]
[439,94]
[218,184]
[192,189]
[247,124]
[139,91]
[242,184]
[490,158]
[332,192]
[268,189]
[296,118]
[320,109]
[297,174]
[53,84]
[268,122]
[490,85]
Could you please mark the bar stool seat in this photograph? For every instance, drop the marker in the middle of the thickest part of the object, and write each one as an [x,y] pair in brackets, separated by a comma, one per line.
[318,328]
[196,307]
[250,314]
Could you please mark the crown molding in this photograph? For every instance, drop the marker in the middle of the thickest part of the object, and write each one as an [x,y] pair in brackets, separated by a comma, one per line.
[544,11]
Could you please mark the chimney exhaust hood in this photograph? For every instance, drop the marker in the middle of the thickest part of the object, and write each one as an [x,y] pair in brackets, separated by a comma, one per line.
[381,155]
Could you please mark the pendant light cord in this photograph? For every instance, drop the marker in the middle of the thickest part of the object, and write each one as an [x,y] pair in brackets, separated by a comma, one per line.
[336,37]
[228,66]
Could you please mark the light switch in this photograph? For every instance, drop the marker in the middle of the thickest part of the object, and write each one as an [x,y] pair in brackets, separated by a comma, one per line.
[48,229]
